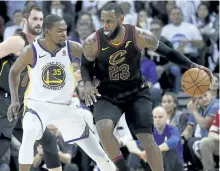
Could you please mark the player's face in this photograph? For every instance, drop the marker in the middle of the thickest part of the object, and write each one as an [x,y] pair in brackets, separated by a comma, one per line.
[35,21]
[111,24]
[176,16]
[168,103]
[205,99]
[58,33]
[160,119]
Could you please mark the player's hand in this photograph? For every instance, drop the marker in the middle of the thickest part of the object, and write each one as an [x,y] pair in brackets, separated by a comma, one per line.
[205,69]
[13,110]
[91,92]
[77,75]
[40,150]
[143,156]
[96,82]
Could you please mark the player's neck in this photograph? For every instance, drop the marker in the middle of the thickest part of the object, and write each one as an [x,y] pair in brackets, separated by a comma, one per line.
[30,37]
[120,36]
[50,46]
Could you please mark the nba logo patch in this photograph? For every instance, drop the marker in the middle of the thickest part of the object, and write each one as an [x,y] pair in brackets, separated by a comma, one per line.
[64,53]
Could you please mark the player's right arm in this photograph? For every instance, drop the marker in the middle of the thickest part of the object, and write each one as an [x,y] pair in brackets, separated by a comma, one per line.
[25,58]
[90,50]
[12,45]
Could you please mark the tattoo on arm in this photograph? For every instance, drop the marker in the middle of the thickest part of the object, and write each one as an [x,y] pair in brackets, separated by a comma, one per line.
[146,39]
[90,47]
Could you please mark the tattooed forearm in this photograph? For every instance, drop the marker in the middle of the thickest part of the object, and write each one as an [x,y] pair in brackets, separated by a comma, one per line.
[146,39]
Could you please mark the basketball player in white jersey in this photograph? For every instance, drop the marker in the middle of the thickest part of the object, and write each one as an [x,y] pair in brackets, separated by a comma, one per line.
[9,51]
[48,99]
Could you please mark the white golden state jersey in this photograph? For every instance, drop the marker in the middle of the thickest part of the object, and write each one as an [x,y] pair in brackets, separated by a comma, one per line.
[51,75]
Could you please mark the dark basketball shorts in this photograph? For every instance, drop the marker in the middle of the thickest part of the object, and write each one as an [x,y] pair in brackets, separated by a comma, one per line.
[6,127]
[137,109]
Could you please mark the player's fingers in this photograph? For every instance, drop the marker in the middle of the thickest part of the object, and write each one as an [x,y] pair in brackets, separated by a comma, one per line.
[97,93]
[209,73]
[89,100]
[9,115]
[93,97]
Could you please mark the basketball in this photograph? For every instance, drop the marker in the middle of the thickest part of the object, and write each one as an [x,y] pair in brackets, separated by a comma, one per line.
[195,82]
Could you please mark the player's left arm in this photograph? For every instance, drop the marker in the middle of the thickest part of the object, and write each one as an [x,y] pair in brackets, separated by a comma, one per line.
[75,49]
[76,53]
[146,39]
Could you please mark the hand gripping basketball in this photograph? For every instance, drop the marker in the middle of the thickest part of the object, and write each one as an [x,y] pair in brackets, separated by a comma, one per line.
[196,81]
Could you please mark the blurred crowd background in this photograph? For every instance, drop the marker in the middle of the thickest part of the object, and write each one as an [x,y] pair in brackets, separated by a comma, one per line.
[191,27]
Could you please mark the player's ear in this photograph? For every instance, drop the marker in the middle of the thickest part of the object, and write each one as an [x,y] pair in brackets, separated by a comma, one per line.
[121,19]
[24,21]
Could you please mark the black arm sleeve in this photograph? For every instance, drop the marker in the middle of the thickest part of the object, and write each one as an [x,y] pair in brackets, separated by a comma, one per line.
[87,69]
[174,56]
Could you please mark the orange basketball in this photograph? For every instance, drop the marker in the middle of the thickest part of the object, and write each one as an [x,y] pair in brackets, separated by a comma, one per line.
[195,82]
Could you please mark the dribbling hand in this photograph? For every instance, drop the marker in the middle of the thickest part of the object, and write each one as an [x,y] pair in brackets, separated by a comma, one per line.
[205,69]
[91,92]
[13,110]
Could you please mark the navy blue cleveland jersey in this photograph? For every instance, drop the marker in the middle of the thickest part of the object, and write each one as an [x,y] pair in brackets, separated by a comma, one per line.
[5,66]
[118,66]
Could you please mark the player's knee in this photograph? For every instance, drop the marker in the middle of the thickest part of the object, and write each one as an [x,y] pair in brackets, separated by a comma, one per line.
[48,142]
[105,127]
[32,126]
[4,144]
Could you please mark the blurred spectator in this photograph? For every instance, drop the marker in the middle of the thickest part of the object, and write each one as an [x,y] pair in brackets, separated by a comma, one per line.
[174,116]
[203,111]
[129,17]
[84,27]
[65,152]
[188,8]
[144,21]
[14,26]
[61,8]
[148,69]
[214,88]
[205,21]
[185,37]
[209,146]
[163,66]
[168,139]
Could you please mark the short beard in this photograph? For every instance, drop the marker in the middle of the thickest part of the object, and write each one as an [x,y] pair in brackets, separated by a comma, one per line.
[114,33]
[32,31]
[61,44]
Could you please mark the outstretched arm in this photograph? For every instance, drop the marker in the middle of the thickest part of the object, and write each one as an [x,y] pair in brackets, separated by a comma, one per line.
[90,50]
[145,39]
[13,45]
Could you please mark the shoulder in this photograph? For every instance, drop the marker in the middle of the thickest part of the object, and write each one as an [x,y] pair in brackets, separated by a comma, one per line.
[74,45]
[91,39]
[28,49]
[90,45]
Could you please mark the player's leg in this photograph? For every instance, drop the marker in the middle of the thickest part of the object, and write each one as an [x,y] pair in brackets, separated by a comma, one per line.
[139,117]
[32,130]
[49,145]
[6,127]
[106,117]
[93,149]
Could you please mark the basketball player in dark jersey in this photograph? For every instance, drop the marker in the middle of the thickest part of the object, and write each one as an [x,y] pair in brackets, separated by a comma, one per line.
[9,50]
[112,55]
